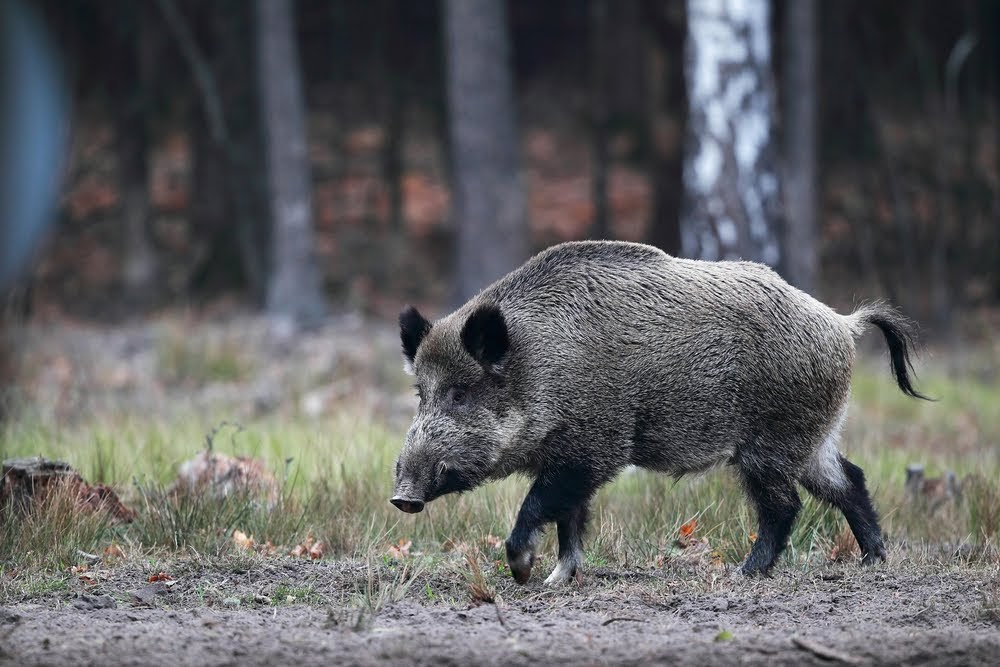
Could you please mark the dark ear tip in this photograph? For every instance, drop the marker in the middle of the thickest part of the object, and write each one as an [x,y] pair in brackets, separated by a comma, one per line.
[407,313]
[412,329]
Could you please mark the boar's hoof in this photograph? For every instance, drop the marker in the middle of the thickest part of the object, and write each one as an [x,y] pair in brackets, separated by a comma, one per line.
[520,565]
[748,570]
[874,557]
[563,573]
[408,505]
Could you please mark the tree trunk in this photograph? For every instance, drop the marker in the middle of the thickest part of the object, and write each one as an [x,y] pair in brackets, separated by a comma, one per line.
[490,206]
[800,152]
[391,106]
[732,203]
[140,269]
[600,225]
[228,180]
[293,292]
[667,115]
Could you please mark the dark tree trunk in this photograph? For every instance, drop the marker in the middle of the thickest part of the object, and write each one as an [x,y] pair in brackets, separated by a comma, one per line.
[490,207]
[624,48]
[293,292]
[732,193]
[600,226]
[800,143]
[391,102]
[666,118]
[228,182]
[140,266]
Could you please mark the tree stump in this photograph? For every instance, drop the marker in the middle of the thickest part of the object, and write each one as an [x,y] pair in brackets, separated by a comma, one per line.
[28,480]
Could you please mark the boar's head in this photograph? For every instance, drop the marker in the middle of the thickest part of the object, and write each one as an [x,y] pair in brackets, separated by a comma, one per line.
[465,417]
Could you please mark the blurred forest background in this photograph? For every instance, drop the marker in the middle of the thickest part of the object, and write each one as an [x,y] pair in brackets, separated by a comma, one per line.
[313,156]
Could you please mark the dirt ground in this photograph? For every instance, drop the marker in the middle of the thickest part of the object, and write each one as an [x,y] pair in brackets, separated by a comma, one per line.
[895,614]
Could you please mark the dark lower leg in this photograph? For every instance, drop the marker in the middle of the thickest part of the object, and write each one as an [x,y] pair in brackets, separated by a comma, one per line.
[777,503]
[851,497]
[559,496]
[856,504]
[571,530]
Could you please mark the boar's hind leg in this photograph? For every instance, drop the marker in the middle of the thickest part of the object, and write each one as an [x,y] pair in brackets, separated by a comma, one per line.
[845,489]
[555,496]
[777,502]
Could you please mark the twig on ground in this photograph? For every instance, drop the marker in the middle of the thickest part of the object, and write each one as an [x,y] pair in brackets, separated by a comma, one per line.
[824,652]
[500,617]
[621,618]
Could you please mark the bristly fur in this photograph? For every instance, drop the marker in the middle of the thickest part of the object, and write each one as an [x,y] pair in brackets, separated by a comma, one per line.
[616,354]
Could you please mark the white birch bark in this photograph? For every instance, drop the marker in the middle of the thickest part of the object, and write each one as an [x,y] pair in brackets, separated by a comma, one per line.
[732,205]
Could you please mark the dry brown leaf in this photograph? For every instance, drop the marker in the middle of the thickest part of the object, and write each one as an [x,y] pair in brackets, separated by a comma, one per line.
[160,576]
[242,541]
[687,530]
[317,550]
[401,549]
[113,551]
[305,548]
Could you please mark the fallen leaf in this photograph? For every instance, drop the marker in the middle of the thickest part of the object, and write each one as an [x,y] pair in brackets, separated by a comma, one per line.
[160,576]
[305,548]
[688,528]
[317,550]
[113,551]
[242,541]
[401,549]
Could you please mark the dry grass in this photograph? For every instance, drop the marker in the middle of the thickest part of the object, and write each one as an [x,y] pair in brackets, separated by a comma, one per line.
[336,486]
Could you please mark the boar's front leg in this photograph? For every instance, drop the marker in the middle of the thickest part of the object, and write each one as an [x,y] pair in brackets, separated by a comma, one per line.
[570,546]
[560,496]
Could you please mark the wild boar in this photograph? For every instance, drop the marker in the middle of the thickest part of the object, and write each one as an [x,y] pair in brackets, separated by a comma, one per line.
[594,356]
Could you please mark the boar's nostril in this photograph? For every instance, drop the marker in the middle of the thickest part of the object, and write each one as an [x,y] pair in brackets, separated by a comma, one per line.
[408,505]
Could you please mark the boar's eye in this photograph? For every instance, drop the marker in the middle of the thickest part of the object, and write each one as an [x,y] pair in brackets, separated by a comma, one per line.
[459,395]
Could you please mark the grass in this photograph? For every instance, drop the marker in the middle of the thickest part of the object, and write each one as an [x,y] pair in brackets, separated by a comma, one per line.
[188,361]
[337,477]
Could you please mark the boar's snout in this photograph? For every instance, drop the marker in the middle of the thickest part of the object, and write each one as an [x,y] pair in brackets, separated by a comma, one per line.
[408,505]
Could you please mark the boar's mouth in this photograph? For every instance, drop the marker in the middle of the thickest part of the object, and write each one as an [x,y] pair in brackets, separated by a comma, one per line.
[453,480]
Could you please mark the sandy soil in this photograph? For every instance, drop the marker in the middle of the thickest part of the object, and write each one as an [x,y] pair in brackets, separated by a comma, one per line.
[917,615]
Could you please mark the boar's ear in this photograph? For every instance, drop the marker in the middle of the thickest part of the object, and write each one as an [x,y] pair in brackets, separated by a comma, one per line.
[485,335]
[412,329]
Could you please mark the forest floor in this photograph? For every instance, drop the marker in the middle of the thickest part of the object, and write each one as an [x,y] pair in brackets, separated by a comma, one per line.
[292,613]
[332,574]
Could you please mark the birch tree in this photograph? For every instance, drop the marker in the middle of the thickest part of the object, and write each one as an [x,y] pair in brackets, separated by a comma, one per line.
[732,205]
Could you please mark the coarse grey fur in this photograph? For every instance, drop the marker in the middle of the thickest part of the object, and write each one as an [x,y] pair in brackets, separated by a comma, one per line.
[594,356]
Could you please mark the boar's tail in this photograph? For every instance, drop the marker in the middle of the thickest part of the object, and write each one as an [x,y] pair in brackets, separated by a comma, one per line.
[899,335]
